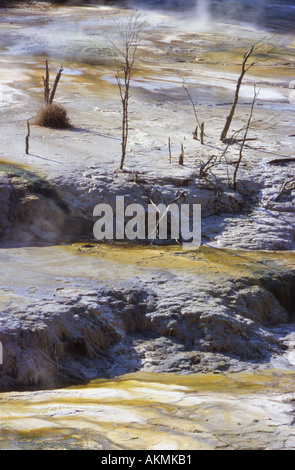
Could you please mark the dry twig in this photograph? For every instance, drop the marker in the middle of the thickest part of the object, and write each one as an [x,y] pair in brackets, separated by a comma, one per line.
[199,125]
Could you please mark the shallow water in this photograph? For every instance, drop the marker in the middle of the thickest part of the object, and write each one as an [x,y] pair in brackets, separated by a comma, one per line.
[42,270]
[148,411]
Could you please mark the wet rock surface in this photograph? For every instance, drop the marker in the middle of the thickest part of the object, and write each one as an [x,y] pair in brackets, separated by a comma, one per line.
[155,412]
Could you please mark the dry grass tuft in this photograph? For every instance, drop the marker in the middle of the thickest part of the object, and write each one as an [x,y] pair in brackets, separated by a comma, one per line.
[53,116]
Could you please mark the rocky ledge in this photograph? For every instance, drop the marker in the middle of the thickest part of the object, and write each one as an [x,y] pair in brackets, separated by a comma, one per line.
[95,314]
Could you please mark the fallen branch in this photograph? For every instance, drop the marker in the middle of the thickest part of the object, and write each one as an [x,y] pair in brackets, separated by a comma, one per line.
[206,166]
[288,185]
[279,161]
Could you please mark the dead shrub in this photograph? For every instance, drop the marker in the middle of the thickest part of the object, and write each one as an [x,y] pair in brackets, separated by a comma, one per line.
[53,116]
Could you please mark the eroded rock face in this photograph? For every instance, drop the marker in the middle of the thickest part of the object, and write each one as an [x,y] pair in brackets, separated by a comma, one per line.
[37,340]
[5,193]
[32,211]
[153,324]
[30,208]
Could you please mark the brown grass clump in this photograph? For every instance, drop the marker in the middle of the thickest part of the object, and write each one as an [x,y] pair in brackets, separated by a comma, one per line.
[53,116]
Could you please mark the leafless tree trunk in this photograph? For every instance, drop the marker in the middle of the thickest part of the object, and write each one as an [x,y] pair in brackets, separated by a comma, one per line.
[28,137]
[244,70]
[57,78]
[202,133]
[46,84]
[181,156]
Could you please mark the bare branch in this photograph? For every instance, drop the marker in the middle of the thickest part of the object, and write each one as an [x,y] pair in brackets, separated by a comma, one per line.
[46,84]
[244,139]
[57,78]
[193,105]
[200,126]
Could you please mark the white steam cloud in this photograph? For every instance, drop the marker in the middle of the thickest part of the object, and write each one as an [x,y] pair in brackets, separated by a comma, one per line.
[202,10]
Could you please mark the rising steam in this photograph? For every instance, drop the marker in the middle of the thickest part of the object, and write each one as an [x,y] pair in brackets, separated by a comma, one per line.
[202,10]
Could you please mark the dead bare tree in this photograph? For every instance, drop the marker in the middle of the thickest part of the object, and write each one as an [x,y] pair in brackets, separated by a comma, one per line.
[244,70]
[181,156]
[130,32]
